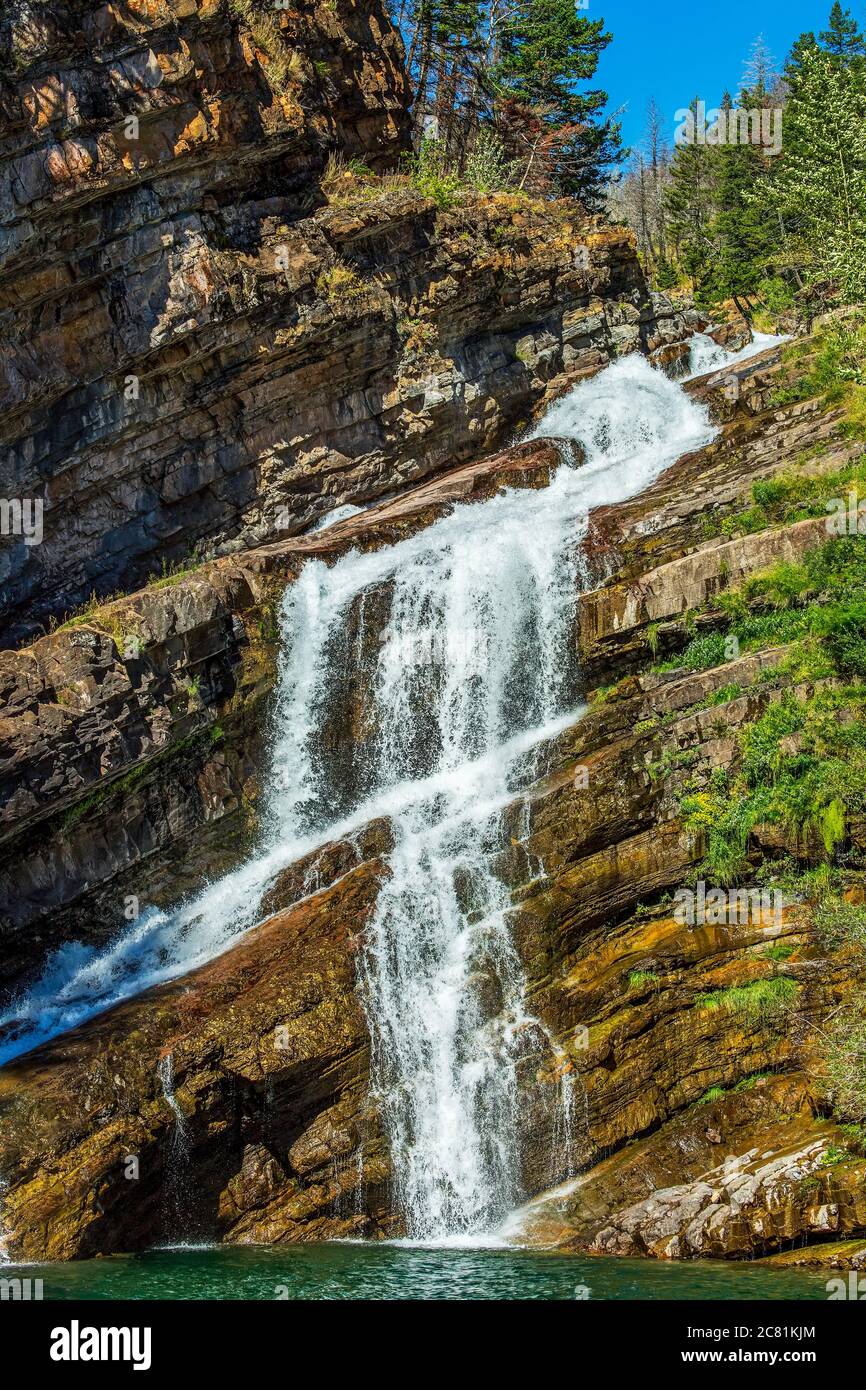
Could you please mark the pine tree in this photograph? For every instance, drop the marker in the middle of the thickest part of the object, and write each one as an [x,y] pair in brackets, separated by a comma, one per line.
[446,43]
[689,202]
[743,237]
[546,50]
[819,187]
[842,38]
[806,43]
[547,47]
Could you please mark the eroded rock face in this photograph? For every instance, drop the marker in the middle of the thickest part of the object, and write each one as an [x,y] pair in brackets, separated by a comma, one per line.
[153,156]
[757,1200]
[268,1045]
[744,1174]
[197,351]
[131,741]
[697,1128]
[263,1053]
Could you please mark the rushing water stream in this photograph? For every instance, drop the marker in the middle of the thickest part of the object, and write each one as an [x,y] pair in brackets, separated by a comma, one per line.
[470,674]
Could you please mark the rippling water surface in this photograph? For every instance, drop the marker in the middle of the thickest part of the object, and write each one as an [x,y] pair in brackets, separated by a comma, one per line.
[348,1271]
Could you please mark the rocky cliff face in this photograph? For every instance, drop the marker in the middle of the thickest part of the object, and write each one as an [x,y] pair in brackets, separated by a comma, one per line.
[698,1128]
[203,346]
[211,339]
[131,738]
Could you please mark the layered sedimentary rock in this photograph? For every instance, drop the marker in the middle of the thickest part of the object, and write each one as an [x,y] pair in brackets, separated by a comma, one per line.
[131,739]
[264,1050]
[700,1129]
[745,1172]
[152,156]
[202,349]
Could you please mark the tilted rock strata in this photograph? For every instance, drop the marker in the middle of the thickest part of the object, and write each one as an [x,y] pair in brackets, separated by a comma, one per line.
[620,988]
[639,1047]
[216,355]
[130,741]
[761,1199]
[741,1174]
[267,1052]
[129,255]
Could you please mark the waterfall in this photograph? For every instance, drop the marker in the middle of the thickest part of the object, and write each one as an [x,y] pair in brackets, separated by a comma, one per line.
[176,1187]
[180,1129]
[705,355]
[454,649]
[4,1251]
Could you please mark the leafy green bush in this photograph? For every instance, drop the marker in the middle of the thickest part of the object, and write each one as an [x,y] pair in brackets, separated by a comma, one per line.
[432,175]
[839,923]
[487,168]
[666,276]
[340,282]
[701,654]
[775,293]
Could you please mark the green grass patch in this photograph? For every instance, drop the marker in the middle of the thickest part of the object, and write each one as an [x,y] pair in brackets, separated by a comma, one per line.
[763,999]
[714,1093]
[641,979]
[749,1082]
[779,952]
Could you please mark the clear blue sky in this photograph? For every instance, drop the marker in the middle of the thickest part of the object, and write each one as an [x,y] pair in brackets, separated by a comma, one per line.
[677,51]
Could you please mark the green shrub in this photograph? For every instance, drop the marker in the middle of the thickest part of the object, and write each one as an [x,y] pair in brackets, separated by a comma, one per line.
[845,1054]
[779,953]
[775,293]
[488,169]
[666,276]
[839,923]
[339,283]
[431,173]
[748,1082]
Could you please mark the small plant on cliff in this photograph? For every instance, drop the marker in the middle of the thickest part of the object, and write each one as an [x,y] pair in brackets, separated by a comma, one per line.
[778,953]
[488,168]
[803,769]
[340,283]
[829,366]
[713,1094]
[844,1047]
[855,1135]
[834,1155]
[748,1083]
[839,923]
[284,65]
[766,999]
[173,571]
[339,171]
[640,979]
[432,174]
[419,336]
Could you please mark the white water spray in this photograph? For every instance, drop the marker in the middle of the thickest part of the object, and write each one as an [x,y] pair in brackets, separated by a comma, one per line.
[471,674]
[705,355]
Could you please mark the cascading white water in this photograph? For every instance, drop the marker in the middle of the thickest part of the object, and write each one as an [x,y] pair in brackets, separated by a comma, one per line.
[176,1186]
[705,355]
[471,675]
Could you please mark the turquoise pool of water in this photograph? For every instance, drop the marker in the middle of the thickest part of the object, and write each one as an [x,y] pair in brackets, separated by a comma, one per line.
[349,1271]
